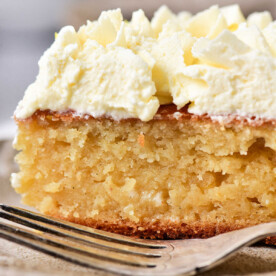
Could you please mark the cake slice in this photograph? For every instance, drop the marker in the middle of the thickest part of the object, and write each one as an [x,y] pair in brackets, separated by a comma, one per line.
[161,129]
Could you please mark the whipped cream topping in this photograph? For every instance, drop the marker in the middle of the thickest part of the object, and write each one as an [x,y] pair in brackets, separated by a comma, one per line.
[217,61]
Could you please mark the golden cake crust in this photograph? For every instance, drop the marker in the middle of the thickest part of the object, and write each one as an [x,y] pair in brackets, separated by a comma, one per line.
[165,112]
[160,230]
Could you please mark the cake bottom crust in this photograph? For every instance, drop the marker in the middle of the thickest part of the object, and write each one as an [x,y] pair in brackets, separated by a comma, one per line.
[160,230]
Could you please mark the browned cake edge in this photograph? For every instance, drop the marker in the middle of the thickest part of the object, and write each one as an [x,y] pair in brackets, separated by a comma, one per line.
[165,112]
[160,229]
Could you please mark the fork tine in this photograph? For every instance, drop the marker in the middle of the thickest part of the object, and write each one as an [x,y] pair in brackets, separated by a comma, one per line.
[101,244]
[103,235]
[77,247]
[70,253]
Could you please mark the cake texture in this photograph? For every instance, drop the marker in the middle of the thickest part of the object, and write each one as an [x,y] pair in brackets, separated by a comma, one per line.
[161,129]
[167,178]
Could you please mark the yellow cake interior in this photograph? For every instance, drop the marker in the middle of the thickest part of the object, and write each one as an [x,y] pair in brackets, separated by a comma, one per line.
[173,172]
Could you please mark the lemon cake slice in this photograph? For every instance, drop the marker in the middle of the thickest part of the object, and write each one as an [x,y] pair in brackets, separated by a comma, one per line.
[155,129]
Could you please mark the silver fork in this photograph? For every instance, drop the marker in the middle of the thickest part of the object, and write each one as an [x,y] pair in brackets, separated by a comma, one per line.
[123,255]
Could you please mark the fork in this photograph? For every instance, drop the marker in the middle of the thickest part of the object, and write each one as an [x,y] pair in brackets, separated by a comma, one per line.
[122,255]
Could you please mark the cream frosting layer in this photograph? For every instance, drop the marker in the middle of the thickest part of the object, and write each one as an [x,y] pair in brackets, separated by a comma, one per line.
[216,60]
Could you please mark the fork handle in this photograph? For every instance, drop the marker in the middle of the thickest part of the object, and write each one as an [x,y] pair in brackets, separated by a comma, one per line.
[236,239]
